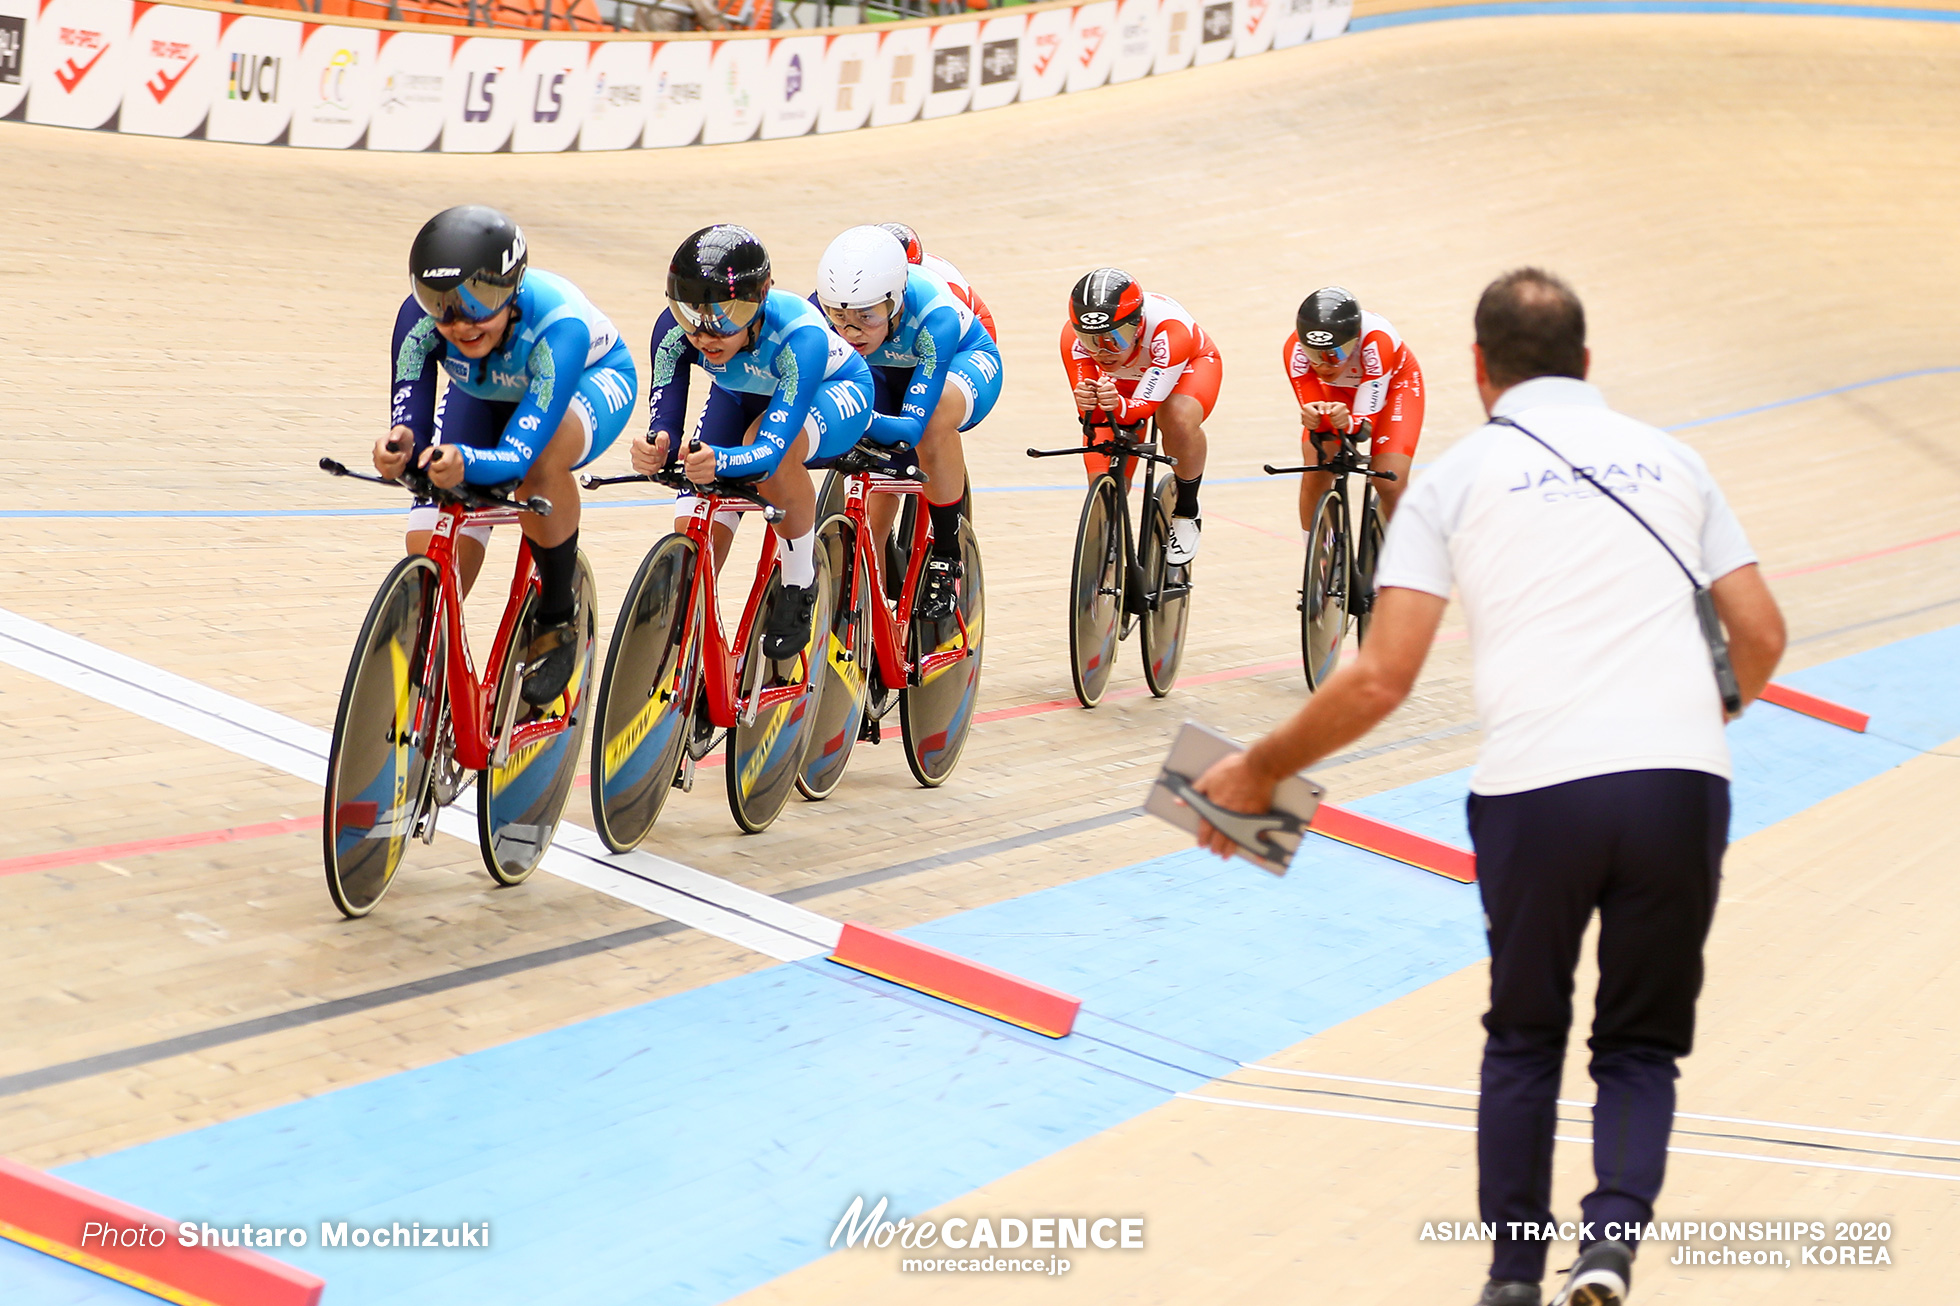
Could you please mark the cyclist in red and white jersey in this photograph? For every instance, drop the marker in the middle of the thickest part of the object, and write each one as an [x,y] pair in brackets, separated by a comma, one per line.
[1346,365]
[962,289]
[1135,356]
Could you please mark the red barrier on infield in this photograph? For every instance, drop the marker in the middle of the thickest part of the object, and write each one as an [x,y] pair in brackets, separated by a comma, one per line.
[87,1229]
[1444,859]
[956,979]
[1811,705]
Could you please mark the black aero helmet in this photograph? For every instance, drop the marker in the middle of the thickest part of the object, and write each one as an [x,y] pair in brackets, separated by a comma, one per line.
[718,280]
[1106,300]
[1329,321]
[466,262]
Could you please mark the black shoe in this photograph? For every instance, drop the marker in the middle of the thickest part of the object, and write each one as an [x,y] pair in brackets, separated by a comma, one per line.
[787,630]
[1601,1276]
[549,660]
[938,596]
[1509,1292]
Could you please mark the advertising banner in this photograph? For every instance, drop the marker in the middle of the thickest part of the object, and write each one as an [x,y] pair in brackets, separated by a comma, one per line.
[735,86]
[621,88]
[999,76]
[411,69]
[678,109]
[1092,45]
[903,75]
[334,87]
[78,62]
[794,88]
[554,96]
[847,84]
[254,105]
[1044,54]
[162,69]
[481,95]
[173,62]
[16,17]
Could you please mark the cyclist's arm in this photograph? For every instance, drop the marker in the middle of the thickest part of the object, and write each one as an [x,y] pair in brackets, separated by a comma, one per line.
[557,361]
[417,350]
[1156,384]
[938,337]
[673,361]
[1079,366]
[799,367]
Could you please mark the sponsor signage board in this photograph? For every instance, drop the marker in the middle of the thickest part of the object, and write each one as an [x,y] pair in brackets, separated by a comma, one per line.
[173,63]
[616,112]
[411,69]
[334,88]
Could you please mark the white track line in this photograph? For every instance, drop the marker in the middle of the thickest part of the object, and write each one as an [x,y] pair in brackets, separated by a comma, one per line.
[1564,1101]
[656,884]
[1471,1129]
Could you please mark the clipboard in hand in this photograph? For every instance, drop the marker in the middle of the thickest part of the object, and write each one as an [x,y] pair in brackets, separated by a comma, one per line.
[1266,839]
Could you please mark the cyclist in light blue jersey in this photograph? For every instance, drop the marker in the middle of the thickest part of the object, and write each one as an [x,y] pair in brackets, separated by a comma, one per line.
[539,384]
[908,319]
[787,391]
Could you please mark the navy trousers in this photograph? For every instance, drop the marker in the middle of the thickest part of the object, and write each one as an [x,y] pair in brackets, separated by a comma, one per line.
[1645,849]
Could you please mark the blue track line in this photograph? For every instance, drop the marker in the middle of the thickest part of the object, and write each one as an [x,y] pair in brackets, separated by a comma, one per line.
[225,514]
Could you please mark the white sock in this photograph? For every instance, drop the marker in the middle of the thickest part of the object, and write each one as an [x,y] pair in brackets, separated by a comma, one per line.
[1306,537]
[800,559]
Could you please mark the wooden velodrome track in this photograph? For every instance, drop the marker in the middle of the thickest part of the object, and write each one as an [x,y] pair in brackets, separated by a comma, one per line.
[1754,208]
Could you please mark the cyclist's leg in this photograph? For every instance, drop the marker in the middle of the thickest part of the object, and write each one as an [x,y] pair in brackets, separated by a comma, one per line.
[1312,486]
[728,421]
[1180,423]
[1397,429]
[972,388]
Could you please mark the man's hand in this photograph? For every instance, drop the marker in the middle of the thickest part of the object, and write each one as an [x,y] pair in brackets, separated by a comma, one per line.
[1333,414]
[701,464]
[650,455]
[1235,784]
[391,452]
[1108,396]
[1085,394]
[444,464]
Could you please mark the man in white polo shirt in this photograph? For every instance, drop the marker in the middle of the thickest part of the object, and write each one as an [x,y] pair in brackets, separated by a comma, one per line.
[1603,777]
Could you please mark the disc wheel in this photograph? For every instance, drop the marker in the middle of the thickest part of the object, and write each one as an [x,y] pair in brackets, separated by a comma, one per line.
[1368,554]
[766,744]
[1323,592]
[647,696]
[520,802]
[1168,589]
[936,715]
[844,665]
[1095,604]
[384,736]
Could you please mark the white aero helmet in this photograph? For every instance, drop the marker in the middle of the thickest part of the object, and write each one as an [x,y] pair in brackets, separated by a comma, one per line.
[863,268]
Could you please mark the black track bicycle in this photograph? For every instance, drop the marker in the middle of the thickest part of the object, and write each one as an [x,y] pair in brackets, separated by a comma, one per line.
[1343,545]
[1121,578]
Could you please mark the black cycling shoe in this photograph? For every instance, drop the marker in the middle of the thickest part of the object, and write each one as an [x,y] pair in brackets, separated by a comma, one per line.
[787,631]
[937,598]
[1509,1292]
[549,660]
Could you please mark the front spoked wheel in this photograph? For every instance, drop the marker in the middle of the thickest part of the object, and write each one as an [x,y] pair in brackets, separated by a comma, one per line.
[1324,591]
[1367,556]
[646,699]
[936,714]
[1168,592]
[773,713]
[844,663]
[1095,609]
[385,734]
[520,801]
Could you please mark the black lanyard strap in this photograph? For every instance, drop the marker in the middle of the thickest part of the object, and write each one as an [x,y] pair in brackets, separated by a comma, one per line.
[1711,622]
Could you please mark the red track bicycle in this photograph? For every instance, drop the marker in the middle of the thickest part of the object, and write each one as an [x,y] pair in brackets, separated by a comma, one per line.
[673,678]
[414,720]
[879,652]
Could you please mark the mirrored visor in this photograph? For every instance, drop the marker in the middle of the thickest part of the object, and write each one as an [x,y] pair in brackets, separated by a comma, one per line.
[1116,340]
[472,300]
[1333,356]
[728,318]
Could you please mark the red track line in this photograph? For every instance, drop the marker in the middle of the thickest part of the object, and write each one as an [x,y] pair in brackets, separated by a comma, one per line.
[143,847]
[1865,557]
